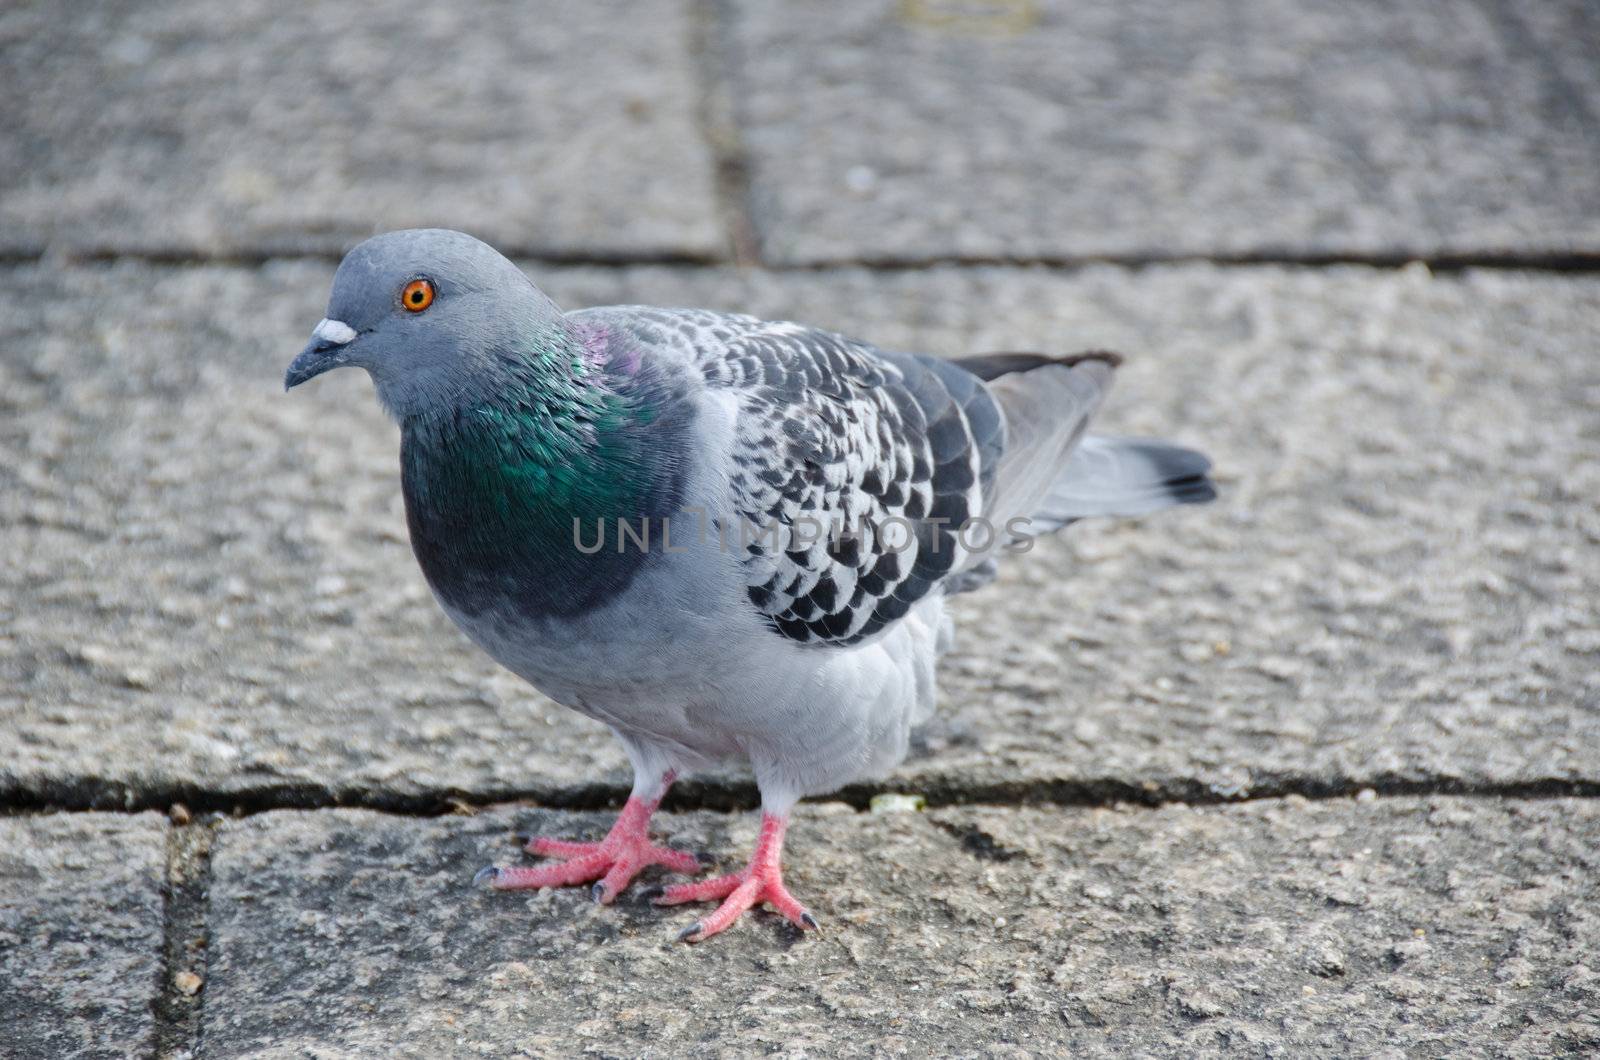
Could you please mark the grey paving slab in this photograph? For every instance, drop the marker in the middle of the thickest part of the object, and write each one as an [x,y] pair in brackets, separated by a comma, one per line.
[909,129]
[1390,927]
[209,583]
[185,127]
[80,934]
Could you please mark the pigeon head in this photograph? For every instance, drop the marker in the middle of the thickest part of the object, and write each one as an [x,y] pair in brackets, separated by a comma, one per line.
[433,316]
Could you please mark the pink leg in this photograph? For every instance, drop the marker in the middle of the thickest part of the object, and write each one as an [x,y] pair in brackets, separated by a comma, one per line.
[761,881]
[613,862]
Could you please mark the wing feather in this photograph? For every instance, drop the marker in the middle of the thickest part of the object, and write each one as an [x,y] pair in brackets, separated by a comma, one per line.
[885,454]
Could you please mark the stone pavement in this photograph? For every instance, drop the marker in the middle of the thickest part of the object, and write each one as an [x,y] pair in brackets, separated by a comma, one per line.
[1312,771]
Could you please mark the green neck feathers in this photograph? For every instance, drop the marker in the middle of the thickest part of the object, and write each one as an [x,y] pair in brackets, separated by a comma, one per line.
[494,486]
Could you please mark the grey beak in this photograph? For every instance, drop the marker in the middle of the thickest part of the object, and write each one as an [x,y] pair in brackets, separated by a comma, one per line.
[327,349]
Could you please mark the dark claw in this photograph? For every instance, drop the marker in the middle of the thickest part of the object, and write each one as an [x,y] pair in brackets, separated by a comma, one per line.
[523,840]
[705,859]
[598,892]
[650,894]
[688,933]
[488,872]
[807,920]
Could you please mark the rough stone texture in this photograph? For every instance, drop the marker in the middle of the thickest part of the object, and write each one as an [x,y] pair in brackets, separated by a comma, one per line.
[80,934]
[188,127]
[892,130]
[1398,585]
[1386,927]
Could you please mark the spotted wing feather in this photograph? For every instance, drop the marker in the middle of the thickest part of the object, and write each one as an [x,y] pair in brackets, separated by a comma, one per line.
[853,468]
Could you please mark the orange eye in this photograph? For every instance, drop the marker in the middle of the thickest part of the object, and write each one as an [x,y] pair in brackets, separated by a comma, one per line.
[417,295]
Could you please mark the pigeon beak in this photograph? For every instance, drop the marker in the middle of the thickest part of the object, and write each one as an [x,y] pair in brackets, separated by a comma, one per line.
[327,349]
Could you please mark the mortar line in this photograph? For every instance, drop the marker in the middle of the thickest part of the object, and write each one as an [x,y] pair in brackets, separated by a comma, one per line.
[184,949]
[709,47]
[1580,262]
[714,796]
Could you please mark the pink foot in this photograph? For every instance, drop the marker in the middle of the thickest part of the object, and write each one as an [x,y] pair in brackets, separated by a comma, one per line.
[761,881]
[613,862]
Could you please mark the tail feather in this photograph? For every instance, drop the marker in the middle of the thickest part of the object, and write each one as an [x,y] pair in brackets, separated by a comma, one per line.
[1046,409]
[1113,476]
[991,366]
[1051,471]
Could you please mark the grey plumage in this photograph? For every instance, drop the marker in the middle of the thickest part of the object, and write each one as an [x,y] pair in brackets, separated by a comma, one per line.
[838,484]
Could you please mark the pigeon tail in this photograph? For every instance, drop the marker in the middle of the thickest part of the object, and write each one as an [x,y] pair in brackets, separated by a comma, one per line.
[1053,471]
[1114,476]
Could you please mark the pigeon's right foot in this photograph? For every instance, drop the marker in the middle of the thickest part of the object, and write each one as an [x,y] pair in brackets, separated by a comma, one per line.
[761,881]
[611,863]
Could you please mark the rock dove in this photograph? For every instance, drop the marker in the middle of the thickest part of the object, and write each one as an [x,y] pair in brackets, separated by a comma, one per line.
[723,537]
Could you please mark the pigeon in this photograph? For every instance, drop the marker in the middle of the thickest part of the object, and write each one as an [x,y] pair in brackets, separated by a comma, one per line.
[725,538]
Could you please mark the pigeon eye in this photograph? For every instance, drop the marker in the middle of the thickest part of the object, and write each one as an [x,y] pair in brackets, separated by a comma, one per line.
[417,295]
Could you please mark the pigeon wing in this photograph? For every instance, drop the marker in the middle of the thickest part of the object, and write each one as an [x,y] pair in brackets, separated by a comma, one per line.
[853,469]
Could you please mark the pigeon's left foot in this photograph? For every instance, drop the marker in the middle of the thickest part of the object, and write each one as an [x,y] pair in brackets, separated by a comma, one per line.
[761,881]
[612,863]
